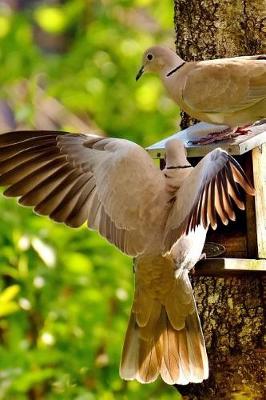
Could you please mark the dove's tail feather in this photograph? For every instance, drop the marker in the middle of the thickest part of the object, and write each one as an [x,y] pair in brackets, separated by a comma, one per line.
[157,348]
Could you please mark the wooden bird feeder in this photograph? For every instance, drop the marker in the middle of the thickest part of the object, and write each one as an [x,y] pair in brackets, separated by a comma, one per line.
[239,247]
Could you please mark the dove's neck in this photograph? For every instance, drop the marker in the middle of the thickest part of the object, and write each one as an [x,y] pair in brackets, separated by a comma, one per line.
[172,65]
[177,166]
[176,159]
[175,177]
[173,78]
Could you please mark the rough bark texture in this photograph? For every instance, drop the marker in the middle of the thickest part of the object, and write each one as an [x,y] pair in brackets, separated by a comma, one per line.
[214,28]
[232,310]
[232,315]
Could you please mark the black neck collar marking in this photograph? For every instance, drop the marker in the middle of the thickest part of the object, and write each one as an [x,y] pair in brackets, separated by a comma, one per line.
[175,69]
[179,166]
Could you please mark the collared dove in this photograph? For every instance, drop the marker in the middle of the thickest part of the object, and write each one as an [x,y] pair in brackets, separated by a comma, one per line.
[158,217]
[228,91]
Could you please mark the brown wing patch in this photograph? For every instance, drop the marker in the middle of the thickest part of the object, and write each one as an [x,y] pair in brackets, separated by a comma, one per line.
[216,200]
[49,171]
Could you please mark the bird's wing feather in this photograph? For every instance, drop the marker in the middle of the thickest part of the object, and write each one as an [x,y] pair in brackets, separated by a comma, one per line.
[211,190]
[73,178]
[225,85]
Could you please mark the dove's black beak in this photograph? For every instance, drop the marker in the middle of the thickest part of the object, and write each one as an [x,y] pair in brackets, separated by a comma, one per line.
[141,72]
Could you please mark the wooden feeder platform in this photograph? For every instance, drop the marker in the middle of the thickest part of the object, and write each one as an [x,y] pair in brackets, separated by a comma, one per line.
[242,244]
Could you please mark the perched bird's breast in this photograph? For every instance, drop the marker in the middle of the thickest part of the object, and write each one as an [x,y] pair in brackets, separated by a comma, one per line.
[174,84]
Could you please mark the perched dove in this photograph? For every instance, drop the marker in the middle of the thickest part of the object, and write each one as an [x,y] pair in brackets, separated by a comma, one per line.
[228,91]
[158,217]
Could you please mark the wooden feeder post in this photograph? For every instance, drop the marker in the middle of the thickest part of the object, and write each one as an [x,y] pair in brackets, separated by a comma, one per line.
[230,289]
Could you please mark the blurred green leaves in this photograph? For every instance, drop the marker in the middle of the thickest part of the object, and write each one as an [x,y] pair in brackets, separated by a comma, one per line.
[51,19]
[8,305]
[102,44]
[65,295]
[57,19]
[4,25]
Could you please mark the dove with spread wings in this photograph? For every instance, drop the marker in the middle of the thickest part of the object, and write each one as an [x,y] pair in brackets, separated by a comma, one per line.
[159,217]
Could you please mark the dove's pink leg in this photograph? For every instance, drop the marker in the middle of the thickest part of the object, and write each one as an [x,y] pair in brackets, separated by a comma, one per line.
[226,134]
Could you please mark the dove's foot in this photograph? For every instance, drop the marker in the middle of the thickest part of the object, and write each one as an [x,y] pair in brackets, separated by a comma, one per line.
[226,134]
[241,130]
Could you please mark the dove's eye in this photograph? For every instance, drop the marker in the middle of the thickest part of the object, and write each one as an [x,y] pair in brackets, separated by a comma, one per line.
[149,57]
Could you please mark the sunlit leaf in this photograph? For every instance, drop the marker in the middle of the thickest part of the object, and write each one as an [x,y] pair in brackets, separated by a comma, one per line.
[45,252]
[9,294]
[8,308]
[147,95]
[4,26]
[51,19]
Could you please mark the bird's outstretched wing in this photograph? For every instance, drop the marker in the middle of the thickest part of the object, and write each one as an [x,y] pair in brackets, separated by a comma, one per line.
[112,184]
[226,85]
[209,192]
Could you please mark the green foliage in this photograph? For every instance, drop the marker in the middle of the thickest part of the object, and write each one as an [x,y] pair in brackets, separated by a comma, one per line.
[7,304]
[105,42]
[65,295]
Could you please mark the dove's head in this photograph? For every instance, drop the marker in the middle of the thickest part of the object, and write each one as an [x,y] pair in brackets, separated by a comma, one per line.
[160,60]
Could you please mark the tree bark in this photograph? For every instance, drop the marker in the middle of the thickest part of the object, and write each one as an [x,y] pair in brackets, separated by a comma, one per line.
[214,28]
[232,314]
[231,309]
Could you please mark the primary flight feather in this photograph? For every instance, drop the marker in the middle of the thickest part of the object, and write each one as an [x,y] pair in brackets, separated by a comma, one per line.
[158,217]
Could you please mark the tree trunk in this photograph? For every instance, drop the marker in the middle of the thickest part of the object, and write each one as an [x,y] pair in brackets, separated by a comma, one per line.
[214,28]
[231,309]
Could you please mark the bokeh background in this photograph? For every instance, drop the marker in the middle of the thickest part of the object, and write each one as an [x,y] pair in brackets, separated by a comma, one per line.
[65,295]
